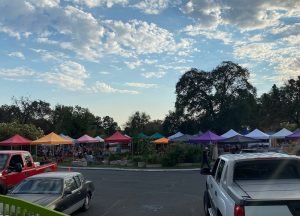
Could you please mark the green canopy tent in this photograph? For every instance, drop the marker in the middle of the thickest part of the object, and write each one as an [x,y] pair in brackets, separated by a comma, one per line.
[156,136]
[141,136]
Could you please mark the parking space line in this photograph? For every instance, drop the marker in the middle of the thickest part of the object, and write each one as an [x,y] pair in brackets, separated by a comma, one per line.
[111,207]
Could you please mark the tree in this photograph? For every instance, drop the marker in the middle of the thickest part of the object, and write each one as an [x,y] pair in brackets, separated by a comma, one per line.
[109,125]
[29,131]
[136,123]
[153,126]
[208,97]
[291,100]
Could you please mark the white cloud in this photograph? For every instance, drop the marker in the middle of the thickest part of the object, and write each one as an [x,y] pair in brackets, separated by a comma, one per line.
[18,72]
[134,64]
[69,75]
[138,37]
[152,6]
[17,55]
[141,85]
[97,3]
[104,72]
[158,74]
[50,55]
[106,88]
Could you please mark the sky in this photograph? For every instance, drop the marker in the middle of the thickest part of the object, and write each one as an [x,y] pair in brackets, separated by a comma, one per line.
[116,57]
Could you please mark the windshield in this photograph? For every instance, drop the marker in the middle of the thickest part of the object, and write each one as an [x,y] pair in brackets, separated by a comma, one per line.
[39,186]
[3,159]
[267,169]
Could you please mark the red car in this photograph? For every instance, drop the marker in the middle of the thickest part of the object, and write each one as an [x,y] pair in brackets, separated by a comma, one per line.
[15,166]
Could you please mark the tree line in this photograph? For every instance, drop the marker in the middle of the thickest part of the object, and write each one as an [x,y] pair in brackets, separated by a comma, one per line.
[217,100]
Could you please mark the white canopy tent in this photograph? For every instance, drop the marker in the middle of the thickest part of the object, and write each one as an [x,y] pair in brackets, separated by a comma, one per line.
[230,133]
[178,134]
[257,134]
[281,134]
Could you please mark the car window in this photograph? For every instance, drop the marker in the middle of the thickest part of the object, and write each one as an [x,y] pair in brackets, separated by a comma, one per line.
[28,160]
[3,159]
[224,178]
[81,177]
[39,186]
[70,184]
[78,182]
[215,167]
[14,160]
[219,170]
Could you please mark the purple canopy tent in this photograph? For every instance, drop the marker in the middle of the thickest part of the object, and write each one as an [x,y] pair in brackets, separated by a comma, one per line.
[294,136]
[207,137]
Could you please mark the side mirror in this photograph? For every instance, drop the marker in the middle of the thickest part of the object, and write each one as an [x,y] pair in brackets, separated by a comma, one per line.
[67,192]
[205,171]
[18,167]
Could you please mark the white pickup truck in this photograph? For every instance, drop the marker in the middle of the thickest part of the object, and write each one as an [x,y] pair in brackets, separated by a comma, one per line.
[258,184]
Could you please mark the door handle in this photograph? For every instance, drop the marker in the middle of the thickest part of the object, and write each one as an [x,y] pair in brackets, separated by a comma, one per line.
[216,194]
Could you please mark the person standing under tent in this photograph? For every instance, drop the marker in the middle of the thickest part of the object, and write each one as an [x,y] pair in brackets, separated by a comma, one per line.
[205,158]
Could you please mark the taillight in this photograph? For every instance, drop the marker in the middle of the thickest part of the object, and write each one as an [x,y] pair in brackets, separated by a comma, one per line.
[239,210]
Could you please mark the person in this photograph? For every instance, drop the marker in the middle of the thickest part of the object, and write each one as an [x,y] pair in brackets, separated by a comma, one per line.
[205,158]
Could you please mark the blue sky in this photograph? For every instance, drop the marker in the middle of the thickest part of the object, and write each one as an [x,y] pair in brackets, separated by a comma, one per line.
[116,57]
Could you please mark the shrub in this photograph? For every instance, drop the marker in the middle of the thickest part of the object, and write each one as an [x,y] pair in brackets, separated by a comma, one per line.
[138,158]
[153,159]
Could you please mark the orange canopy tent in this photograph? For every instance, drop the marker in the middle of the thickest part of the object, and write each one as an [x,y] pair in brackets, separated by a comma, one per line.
[161,141]
[52,139]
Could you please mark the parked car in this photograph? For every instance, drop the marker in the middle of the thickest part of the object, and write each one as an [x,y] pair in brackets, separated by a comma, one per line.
[15,166]
[262,150]
[61,191]
[255,184]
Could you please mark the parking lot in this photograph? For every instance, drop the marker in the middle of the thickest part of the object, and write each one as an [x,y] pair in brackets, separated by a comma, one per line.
[145,193]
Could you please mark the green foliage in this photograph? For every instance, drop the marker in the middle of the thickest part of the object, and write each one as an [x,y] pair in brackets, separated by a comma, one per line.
[29,131]
[153,158]
[143,147]
[138,158]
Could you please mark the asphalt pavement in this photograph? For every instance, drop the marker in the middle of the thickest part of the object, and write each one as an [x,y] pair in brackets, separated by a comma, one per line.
[122,193]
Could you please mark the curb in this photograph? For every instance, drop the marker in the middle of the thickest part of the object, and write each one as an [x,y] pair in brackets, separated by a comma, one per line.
[130,170]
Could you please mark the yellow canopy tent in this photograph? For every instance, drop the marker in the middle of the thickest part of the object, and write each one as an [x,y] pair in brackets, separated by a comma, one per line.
[161,141]
[52,138]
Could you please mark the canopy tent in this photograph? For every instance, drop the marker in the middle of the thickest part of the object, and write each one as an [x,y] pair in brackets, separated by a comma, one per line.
[207,137]
[86,139]
[156,136]
[67,137]
[298,129]
[118,138]
[257,134]
[230,133]
[141,136]
[178,134]
[183,138]
[294,136]
[99,139]
[52,139]
[239,139]
[281,134]
[15,140]
[162,140]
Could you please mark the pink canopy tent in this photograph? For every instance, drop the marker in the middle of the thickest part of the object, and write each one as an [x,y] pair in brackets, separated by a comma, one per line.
[118,137]
[15,140]
[87,139]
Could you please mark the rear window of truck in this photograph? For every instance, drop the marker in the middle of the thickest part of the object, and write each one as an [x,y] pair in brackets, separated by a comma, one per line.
[267,169]
[3,159]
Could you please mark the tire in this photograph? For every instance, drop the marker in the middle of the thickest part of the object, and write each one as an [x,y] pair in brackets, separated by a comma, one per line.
[206,203]
[3,189]
[87,200]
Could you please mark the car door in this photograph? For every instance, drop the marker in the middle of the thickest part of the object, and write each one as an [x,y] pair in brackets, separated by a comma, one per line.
[69,202]
[215,187]
[81,191]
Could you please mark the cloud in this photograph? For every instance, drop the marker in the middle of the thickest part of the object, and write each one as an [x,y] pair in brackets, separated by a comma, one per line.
[104,72]
[78,30]
[17,55]
[138,37]
[69,75]
[152,6]
[134,64]
[106,88]
[50,55]
[158,74]
[97,3]
[17,73]
[141,85]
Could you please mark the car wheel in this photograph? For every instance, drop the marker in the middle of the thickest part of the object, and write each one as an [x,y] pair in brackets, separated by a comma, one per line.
[86,204]
[206,203]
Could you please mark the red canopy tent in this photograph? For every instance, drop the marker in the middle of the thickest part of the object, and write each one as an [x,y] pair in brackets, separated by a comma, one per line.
[118,137]
[15,140]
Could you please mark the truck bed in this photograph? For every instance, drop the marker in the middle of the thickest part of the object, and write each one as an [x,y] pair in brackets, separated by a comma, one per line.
[288,189]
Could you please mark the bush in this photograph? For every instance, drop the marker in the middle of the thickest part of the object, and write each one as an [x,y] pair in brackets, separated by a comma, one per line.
[138,158]
[192,154]
[153,159]
[113,157]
